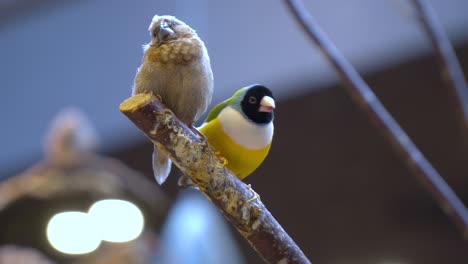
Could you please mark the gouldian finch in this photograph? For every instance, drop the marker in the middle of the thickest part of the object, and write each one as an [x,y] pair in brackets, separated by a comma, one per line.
[241,128]
[175,66]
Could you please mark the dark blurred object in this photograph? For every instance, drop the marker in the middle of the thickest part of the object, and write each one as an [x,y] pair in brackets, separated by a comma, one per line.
[72,177]
[196,233]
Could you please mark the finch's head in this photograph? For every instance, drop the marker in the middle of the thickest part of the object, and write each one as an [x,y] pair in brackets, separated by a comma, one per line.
[167,28]
[256,103]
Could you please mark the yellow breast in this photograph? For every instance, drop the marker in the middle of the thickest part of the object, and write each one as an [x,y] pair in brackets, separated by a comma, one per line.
[241,160]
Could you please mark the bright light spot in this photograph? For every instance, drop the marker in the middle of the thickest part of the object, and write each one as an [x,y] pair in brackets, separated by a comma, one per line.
[72,233]
[116,220]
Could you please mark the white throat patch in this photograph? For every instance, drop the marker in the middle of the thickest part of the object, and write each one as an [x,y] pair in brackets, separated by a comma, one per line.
[243,131]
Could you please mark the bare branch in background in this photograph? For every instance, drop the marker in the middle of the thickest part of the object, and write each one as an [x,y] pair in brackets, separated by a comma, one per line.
[198,161]
[370,104]
[450,67]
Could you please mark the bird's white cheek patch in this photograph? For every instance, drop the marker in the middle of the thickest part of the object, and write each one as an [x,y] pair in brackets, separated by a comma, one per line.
[244,132]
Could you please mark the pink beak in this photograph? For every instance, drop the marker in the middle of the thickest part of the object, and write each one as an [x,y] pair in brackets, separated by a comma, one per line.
[267,104]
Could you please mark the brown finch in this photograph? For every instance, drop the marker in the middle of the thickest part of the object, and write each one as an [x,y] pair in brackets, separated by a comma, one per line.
[175,66]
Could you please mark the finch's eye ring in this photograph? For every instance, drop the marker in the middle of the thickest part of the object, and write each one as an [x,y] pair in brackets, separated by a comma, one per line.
[252,100]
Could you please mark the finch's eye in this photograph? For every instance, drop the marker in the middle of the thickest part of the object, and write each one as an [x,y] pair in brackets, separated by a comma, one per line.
[172,24]
[252,100]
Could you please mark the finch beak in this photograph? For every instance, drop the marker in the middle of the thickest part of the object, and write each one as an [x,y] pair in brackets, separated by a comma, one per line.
[164,31]
[267,104]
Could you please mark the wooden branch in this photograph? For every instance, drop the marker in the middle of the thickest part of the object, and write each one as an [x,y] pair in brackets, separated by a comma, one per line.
[450,67]
[198,161]
[370,104]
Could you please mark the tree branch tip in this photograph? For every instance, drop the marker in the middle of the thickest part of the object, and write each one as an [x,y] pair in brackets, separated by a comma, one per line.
[135,102]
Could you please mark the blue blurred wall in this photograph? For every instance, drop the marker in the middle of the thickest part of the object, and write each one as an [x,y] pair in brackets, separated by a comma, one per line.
[85,53]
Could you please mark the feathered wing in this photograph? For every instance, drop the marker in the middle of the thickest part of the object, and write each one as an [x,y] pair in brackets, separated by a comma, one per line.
[216,110]
[161,165]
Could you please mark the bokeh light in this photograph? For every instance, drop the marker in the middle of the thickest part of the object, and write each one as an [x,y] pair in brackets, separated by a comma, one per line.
[72,233]
[116,220]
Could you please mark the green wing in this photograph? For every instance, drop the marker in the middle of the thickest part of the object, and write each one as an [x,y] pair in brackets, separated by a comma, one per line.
[235,99]
[216,110]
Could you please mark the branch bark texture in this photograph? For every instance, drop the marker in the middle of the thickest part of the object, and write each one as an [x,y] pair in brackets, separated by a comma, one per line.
[370,104]
[195,157]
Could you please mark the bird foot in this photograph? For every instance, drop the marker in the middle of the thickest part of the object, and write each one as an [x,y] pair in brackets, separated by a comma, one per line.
[198,133]
[159,97]
[221,158]
[254,194]
[184,181]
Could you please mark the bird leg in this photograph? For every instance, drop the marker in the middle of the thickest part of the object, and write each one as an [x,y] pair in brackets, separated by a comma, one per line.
[159,97]
[202,137]
[254,194]
[184,181]
[221,157]
[198,133]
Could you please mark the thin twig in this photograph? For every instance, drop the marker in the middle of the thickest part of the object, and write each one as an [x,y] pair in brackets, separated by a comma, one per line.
[197,160]
[450,67]
[371,105]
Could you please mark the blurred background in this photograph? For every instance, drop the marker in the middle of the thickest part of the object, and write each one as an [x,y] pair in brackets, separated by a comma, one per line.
[331,178]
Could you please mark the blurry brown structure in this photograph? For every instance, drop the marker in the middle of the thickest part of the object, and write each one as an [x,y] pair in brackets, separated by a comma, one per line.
[72,177]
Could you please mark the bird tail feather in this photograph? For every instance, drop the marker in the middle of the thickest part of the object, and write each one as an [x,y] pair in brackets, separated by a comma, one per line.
[161,165]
